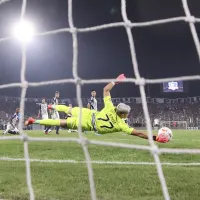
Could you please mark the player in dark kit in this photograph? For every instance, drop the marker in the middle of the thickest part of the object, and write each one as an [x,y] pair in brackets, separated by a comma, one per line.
[92,104]
[13,123]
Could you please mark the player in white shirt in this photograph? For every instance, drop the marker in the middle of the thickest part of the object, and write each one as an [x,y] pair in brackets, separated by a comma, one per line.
[55,114]
[92,104]
[156,123]
[43,112]
[13,123]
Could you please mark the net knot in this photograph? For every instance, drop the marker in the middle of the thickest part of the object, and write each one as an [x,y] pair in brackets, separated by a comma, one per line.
[190,19]
[155,150]
[73,30]
[78,81]
[84,142]
[25,84]
[24,138]
[140,81]
[128,24]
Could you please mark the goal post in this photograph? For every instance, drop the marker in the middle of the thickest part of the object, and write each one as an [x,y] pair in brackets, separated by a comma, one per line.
[174,124]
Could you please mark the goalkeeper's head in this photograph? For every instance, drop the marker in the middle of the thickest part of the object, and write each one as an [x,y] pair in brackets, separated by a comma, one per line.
[123,110]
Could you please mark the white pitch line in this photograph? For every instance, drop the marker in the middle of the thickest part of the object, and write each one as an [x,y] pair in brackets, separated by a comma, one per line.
[98,162]
[117,139]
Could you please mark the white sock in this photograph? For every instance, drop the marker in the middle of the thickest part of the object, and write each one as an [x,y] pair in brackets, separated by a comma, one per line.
[7,129]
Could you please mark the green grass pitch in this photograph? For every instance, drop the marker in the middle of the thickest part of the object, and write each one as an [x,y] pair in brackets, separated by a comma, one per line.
[69,181]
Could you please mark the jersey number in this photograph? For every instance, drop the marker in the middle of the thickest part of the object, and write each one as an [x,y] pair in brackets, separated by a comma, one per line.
[106,120]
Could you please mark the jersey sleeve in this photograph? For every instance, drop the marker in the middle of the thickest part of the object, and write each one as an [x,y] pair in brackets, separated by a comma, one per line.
[91,101]
[11,118]
[53,101]
[126,129]
[108,102]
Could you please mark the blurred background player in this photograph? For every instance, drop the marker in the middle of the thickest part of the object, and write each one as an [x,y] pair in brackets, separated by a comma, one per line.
[156,123]
[92,104]
[13,123]
[54,113]
[43,112]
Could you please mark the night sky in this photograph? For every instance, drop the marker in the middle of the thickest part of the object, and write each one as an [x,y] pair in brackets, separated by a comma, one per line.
[163,50]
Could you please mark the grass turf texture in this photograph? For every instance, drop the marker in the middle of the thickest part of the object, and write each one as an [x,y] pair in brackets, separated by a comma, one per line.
[61,181]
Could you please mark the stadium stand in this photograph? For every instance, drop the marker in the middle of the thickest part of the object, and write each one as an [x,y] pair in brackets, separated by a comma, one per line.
[185,109]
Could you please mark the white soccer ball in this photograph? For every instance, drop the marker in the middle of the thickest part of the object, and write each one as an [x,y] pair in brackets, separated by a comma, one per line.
[166,131]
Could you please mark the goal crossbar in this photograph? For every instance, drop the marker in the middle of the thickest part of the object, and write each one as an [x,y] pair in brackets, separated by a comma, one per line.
[140,81]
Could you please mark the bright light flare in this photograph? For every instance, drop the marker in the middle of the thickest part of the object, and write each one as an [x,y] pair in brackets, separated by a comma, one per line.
[24,31]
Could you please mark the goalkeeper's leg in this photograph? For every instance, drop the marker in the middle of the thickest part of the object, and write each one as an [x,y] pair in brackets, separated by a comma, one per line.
[66,109]
[70,122]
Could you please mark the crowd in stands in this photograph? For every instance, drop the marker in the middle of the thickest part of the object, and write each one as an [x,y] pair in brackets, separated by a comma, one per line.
[188,112]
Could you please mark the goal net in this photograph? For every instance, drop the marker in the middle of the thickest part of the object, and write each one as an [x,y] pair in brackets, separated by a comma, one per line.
[174,124]
[78,81]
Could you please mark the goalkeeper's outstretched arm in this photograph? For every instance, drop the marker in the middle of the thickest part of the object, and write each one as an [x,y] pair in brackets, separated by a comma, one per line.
[108,88]
[141,134]
[159,138]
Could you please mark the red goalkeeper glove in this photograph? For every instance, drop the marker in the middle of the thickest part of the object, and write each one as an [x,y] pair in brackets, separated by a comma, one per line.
[120,78]
[162,138]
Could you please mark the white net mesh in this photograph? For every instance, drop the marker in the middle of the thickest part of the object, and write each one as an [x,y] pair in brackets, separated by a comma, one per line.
[128,25]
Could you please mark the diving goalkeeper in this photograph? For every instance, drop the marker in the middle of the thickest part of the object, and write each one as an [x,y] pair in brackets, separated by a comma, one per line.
[108,120]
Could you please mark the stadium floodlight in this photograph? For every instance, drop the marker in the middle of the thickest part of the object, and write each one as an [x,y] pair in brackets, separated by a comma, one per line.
[24,31]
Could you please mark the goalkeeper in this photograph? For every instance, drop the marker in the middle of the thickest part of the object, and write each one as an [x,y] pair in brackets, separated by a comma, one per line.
[108,120]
